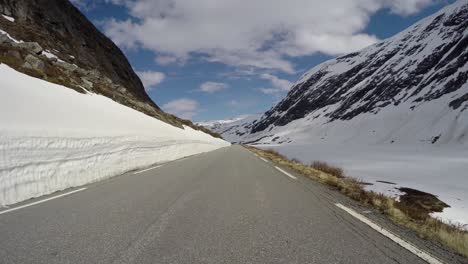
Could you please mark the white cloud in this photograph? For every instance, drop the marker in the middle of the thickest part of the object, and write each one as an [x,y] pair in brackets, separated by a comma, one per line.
[211,87]
[405,7]
[270,90]
[166,60]
[233,103]
[151,78]
[279,85]
[183,108]
[262,34]
[282,84]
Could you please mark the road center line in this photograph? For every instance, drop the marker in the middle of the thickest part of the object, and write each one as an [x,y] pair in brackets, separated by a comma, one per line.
[42,201]
[287,174]
[263,159]
[155,167]
[418,252]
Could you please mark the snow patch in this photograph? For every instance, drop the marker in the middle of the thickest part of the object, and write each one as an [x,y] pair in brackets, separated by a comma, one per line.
[50,55]
[9,18]
[10,37]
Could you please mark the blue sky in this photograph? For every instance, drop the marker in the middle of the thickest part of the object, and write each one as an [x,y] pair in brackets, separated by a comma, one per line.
[218,60]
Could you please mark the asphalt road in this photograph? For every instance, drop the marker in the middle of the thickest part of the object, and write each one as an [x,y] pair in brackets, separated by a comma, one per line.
[226,206]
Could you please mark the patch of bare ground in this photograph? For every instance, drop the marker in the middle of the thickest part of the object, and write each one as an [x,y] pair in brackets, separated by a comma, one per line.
[412,210]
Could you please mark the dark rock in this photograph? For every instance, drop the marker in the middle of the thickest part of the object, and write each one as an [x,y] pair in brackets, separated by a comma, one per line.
[87,84]
[14,54]
[32,62]
[67,66]
[32,47]
[4,39]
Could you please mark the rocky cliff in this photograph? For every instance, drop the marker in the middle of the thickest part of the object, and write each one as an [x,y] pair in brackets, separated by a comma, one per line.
[58,26]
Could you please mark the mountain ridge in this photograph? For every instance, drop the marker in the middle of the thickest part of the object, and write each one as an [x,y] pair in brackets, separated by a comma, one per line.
[415,80]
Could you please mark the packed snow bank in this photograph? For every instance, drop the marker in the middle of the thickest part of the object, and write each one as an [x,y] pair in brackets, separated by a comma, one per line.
[52,138]
[439,170]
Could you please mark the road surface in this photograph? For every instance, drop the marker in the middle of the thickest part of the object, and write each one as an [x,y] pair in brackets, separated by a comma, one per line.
[226,206]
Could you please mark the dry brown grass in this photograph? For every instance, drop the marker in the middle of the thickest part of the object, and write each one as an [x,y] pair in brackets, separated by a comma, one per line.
[327,168]
[412,211]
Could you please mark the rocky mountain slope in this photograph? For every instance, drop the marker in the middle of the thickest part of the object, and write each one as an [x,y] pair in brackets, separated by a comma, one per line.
[52,40]
[59,26]
[410,88]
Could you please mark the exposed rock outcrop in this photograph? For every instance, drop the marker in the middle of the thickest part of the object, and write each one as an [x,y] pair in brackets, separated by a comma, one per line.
[58,25]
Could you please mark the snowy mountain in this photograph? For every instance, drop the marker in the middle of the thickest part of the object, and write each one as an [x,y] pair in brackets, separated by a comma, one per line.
[411,88]
[232,128]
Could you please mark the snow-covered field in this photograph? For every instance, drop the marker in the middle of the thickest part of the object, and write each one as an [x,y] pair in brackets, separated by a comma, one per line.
[53,138]
[440,170]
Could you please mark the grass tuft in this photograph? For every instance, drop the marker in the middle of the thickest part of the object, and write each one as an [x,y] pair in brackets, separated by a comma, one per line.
[327,168]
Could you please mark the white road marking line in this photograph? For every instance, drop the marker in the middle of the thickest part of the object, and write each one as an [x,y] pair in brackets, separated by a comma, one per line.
[287,174]
[155,167]
[42,201]
[263,159]
[418,252]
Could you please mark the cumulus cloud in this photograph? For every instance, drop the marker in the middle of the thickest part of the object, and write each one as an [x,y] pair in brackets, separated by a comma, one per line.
[166,60]
[263,33]
[279,85]
[405,7]
[211,87]
[277,82]
[270,90]
[151,78]
[183,108]
[233,103]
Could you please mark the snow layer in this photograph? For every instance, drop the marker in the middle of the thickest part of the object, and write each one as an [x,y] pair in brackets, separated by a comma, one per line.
[50,55]
[9,18]
[10,37]
[53,138]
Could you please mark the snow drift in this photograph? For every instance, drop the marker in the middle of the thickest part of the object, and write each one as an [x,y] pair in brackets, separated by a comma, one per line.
[53,138]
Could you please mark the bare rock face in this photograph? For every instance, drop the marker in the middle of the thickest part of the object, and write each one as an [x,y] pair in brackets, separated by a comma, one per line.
[32,62]
[67,66]
[4,39]
[31,46]
[58,25]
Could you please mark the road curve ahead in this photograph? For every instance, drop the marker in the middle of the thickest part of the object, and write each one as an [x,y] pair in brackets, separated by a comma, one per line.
[226,206]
